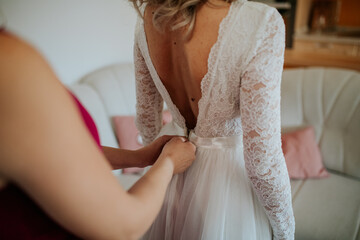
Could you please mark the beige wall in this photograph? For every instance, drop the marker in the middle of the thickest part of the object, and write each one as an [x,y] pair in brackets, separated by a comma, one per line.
[76,36]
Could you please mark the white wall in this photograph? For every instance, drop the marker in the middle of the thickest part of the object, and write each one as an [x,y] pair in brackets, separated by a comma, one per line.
[76,36]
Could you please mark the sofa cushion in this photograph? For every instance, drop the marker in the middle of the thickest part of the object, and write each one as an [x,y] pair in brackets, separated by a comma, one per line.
[302,154]
[128,135]
[116,87]
[327,208]
[329,100]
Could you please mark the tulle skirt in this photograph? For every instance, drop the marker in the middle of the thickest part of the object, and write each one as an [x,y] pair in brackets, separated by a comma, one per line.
[213,199]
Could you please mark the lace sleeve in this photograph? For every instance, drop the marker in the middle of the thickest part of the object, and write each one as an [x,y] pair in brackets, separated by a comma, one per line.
[260,116]
[149,103]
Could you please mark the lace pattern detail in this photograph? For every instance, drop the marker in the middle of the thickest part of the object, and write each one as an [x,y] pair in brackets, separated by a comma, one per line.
[240,96]
[149,103]
[222,94]
[260,114]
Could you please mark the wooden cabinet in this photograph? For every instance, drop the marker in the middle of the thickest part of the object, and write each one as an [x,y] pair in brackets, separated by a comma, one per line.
[327,44]
[334,46]
[330,45]
[295,58]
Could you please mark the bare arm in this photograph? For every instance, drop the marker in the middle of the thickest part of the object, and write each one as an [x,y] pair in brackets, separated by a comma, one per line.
[46,149]
[143,157]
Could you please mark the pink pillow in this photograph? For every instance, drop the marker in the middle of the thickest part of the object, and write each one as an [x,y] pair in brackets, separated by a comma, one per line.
[128,135]
[302,154]
[166,117]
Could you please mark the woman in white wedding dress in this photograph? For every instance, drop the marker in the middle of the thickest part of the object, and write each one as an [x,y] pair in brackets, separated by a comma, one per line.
[217,65]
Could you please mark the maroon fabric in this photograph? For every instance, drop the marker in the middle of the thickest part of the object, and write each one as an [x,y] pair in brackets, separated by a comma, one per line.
[21,218]
[88,121]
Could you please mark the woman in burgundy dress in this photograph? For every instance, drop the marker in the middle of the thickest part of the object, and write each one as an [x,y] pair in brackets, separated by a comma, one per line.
[55,179]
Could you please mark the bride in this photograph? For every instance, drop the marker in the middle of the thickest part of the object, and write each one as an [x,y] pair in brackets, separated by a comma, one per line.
[217,65]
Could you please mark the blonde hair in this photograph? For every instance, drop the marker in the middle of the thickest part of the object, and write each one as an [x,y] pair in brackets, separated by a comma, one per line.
[173,14]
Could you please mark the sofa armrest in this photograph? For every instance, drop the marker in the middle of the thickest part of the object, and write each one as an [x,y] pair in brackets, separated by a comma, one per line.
[92,102]
[329,100]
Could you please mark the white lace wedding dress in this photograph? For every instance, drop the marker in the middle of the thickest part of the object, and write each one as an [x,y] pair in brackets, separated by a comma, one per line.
[239,184]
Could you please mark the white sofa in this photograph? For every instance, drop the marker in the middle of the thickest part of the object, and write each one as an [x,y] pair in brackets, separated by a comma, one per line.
[328,99]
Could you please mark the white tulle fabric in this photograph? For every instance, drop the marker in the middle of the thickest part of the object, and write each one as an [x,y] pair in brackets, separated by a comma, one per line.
[239,120]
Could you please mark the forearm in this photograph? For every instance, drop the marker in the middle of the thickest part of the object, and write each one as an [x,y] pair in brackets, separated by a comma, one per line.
[278,209]
[122,158]
[148,195]
[272,186]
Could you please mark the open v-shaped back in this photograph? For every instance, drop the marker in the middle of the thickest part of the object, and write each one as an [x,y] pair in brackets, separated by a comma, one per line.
[183,81]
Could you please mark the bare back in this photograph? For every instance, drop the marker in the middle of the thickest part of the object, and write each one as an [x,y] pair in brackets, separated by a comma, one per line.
[182,63]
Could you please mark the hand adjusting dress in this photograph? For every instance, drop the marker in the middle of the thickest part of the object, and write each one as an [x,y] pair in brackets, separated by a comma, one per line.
[238,187]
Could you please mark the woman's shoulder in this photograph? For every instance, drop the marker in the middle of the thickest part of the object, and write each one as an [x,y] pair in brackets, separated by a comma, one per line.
[253,22]
[258,8]
[141,13]
[255,17]
[15,51]
[251,12]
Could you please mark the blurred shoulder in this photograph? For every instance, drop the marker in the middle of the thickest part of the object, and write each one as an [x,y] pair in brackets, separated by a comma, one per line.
[12,46]
[16,54]
[19,60]
[258,8]
[256,12]
[256,17]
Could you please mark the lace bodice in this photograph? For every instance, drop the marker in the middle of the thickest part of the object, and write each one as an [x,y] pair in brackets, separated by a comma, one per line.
[240,96]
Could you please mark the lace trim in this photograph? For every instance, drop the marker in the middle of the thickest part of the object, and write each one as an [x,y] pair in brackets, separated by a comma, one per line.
[177,117]
[212,60]
[205,84]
